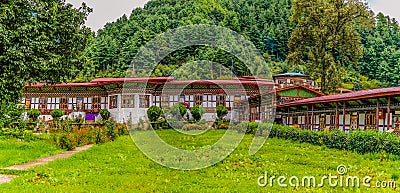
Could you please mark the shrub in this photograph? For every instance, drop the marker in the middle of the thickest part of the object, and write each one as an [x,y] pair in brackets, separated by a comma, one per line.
[177,124]
[223,126]
[105,114]
[154,113]
[190,127]
[252,128]
[197,111]
[362,142]
[178,111]
[56,114]
[70,136]
[33,114]
[222,111]
[9,113]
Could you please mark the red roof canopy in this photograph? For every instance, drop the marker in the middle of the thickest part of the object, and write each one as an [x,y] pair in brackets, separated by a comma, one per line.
[363,94]
[161,80]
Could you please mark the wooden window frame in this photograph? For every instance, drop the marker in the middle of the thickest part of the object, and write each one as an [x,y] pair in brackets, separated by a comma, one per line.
[144,101]
[221,99]
[28,102]
[357,118]
[332,121]
[96,103]
[78,106]
[322,122]
[113,102]
[128,101]
[64,103]
[208,99]
[42,103]
[370,120]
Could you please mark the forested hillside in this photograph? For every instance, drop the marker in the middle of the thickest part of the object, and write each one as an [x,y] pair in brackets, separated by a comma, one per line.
[265,23]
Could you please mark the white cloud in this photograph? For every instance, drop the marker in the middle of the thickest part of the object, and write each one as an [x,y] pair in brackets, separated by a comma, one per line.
[107,10]
[387,7]
[110,10]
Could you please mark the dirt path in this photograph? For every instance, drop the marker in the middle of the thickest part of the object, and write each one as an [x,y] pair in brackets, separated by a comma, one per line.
[40,161]
[6,178]
[45,160]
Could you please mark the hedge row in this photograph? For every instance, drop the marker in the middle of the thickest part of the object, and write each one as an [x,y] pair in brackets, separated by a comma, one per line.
[358,141]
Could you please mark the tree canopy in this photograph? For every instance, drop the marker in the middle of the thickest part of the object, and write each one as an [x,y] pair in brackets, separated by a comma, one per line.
[339,43]
[325,38]
[265,23]
[40,41]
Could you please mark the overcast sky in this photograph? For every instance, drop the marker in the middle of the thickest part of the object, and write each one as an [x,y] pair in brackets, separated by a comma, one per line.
[110,10]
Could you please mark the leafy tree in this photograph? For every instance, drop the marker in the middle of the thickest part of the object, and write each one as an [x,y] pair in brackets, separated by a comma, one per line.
[105,114]
[56,114]
[154,112]
[34,114]
[222,111]
[40,41]
[197,111]
[325,39]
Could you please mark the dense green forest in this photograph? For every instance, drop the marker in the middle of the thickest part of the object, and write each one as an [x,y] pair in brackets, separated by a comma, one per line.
[265,23]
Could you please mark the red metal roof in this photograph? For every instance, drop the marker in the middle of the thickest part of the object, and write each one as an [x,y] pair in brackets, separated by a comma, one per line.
[223,82]
[161,80]
[63,85]
[363,94]
[122,80]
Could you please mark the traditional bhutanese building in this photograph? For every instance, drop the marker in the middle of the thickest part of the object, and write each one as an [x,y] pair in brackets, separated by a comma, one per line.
[377,109]
[294,79]
[130,98]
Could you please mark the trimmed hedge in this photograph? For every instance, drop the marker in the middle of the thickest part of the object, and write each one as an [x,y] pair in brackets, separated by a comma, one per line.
[358,141]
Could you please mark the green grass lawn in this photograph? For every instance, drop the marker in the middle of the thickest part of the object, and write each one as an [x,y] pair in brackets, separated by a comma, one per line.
[120,167]
[13,151]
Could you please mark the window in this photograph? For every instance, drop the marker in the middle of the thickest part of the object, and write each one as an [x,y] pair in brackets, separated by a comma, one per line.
[209,101]
[229,101]
[164,100]
[173,100]
[128,101]
[79,103]
[113,102]
[64,103]
[53,103]
[96,102]
[370,121]
[396,121]
[221,98]
[42,103]
[144,101]
[295,120]
[28,102]
[198,99]
[322,122]
[157,100]
[354,121]
[332,122]
[190,100]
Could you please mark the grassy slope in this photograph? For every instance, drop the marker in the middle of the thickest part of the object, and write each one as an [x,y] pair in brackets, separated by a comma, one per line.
[14,152]
[119,167]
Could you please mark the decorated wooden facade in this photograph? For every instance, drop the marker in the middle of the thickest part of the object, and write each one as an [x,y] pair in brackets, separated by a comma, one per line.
[129,98]
[293,79]
[377,109]
[261,107]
